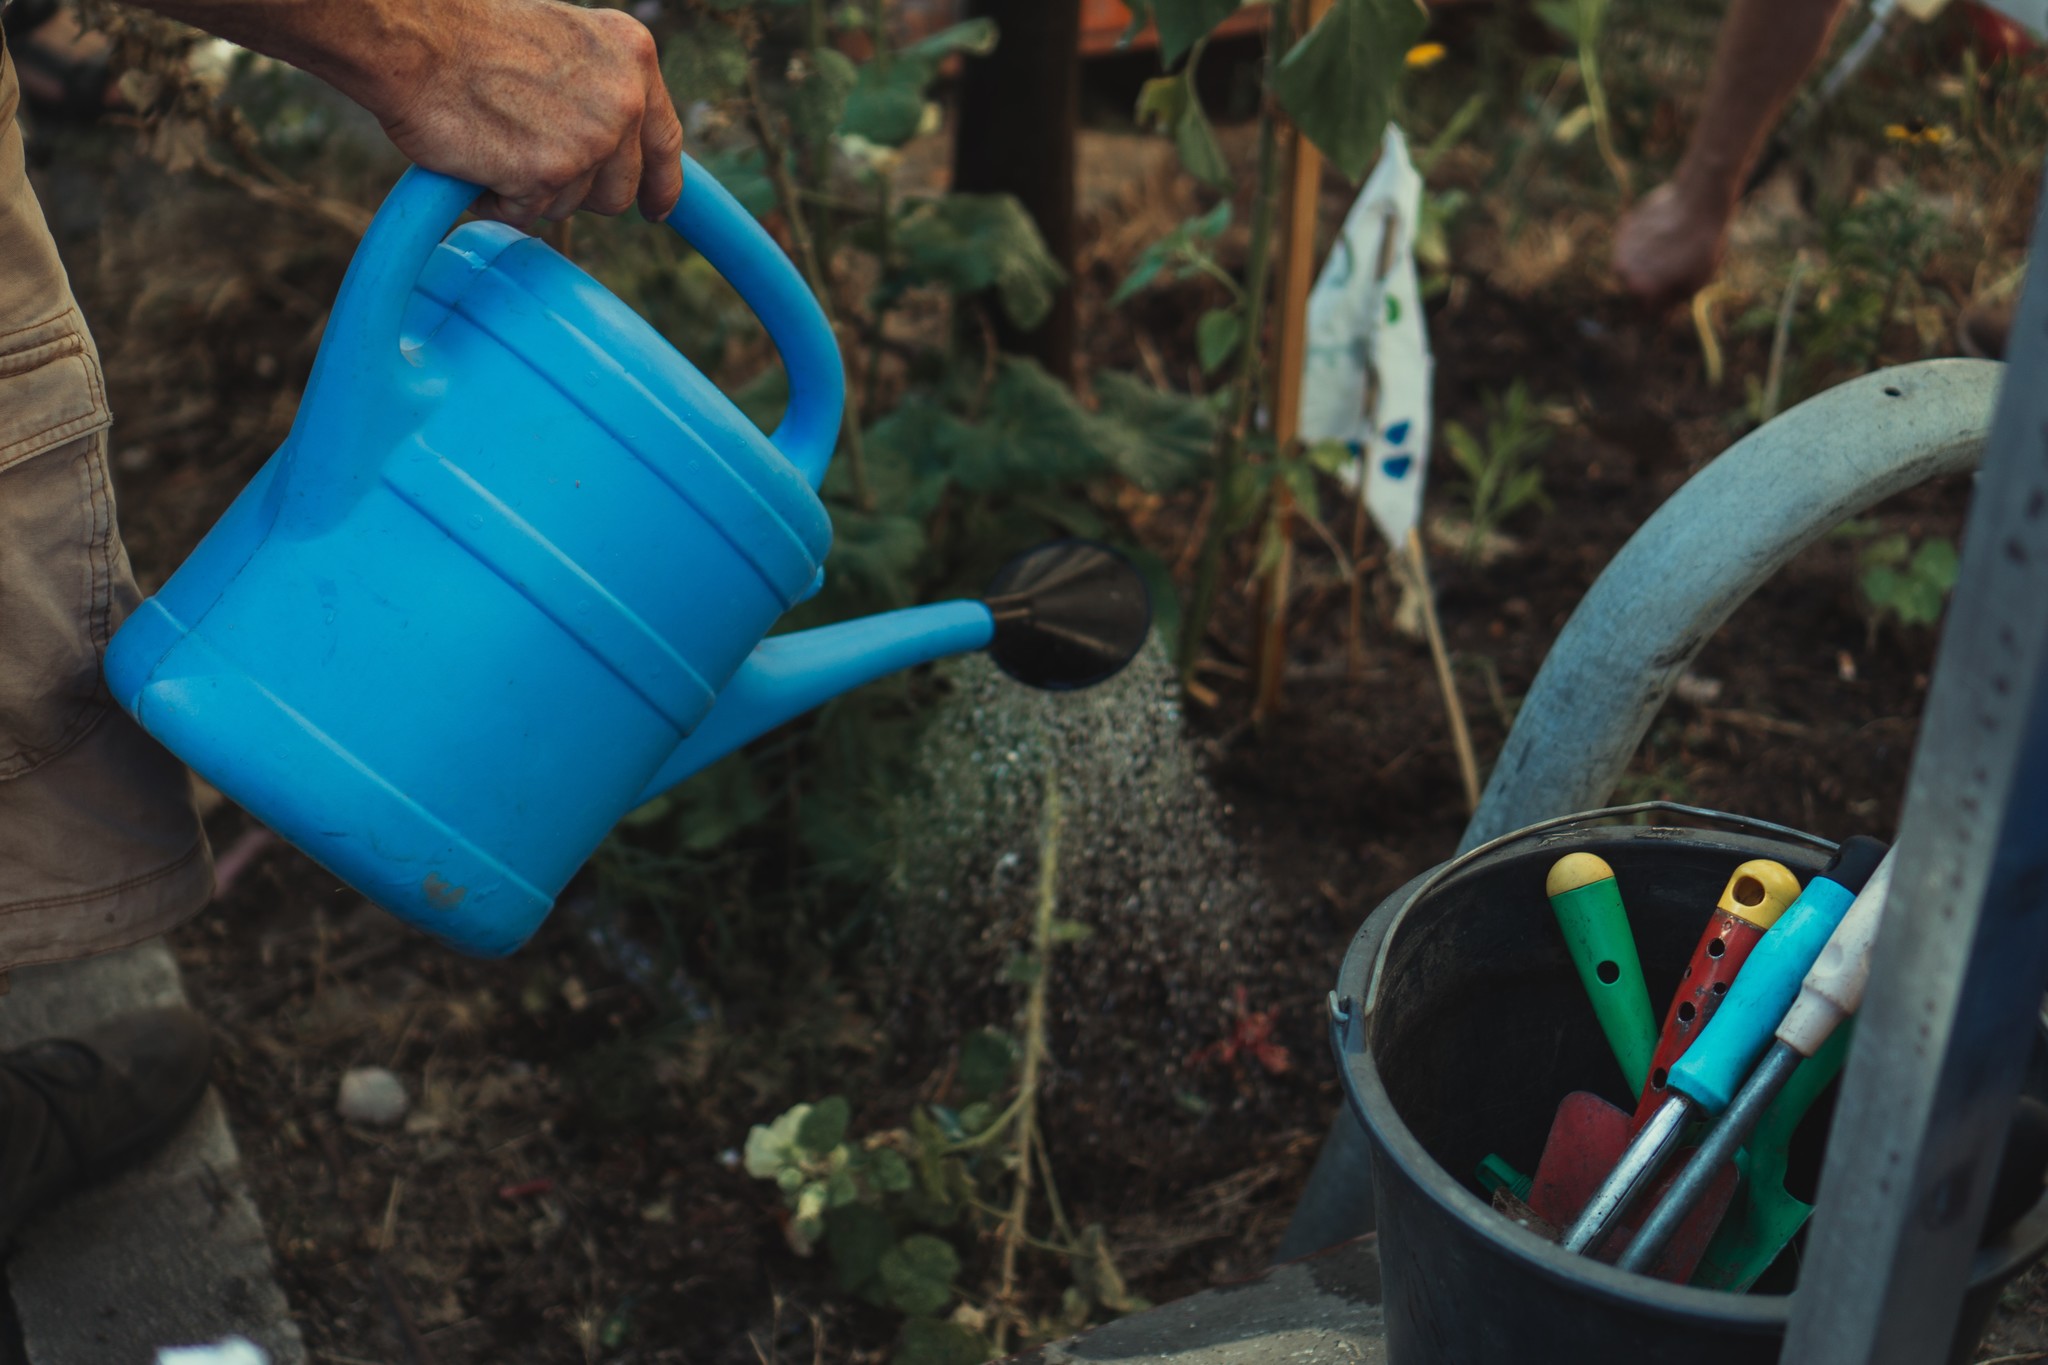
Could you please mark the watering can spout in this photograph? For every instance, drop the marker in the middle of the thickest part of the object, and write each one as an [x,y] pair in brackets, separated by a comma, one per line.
[1062,616]
[791,674]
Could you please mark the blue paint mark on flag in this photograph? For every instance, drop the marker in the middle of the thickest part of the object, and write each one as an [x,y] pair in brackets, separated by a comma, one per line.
[1397,434]
[1397,466]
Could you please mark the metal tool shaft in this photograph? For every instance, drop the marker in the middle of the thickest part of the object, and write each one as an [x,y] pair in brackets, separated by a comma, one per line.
[1726,1135]
[1646,1155]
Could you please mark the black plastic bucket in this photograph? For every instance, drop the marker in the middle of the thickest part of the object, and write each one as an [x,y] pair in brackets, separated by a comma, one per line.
[1459,1025]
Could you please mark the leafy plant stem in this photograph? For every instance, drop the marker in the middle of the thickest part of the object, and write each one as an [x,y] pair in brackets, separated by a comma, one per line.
[789,198]
[1052,1193]
[1230,453]
[1596,97]
[1034,1046]
[1781,340]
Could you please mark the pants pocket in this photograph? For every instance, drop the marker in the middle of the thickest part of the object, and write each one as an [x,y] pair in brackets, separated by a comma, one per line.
[61,569]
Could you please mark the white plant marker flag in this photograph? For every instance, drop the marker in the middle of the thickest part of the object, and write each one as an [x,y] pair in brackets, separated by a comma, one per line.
[1367,379]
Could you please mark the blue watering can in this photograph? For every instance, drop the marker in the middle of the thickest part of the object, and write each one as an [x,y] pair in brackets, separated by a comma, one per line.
[510,574]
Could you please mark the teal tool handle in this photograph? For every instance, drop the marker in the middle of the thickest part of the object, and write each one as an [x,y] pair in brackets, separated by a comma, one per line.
[1713,1068]
[1596,934]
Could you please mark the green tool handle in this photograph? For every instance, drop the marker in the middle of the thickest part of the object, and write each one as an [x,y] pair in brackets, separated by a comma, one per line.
[1596,934]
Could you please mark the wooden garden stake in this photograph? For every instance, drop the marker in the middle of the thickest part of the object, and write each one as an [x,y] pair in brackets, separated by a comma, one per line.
[1454,708]
[1297,275]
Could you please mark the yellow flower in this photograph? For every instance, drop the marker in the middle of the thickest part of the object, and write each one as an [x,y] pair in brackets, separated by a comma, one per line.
[1932,134]
[1425,55]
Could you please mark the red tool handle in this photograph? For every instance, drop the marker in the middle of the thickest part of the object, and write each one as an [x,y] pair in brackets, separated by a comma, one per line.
[1722,950]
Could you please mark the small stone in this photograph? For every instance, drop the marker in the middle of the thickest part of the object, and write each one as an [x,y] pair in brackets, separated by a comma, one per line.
[1695,690]
[372,1095]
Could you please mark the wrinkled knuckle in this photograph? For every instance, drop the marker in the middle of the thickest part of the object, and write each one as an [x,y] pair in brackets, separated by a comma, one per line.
[665,139]
[559,170]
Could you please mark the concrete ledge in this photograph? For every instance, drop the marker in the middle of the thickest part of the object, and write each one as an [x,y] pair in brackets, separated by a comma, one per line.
[170,1254]
[1324,1310]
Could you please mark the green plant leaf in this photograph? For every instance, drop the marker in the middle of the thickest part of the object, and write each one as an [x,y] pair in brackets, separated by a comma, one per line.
[1562,16]
[886,101]
[703,61]
[818,101]
[886,106]
[931,1341]
[975,38]
[1919,602]
[1217,336]
[856,1238]
[1155,258]
[744,174]
[889,1171]
[772,1147]
[1096,1273]
[1183,23]
[1170,105]
[1935,563]
[1023,969]
[1888,551]
[966,243]
[1883,587]
[986,1061]
[825,1126]
[1338,82]
[918,1272]
[1465,449]
[1071,931]
[1159,440]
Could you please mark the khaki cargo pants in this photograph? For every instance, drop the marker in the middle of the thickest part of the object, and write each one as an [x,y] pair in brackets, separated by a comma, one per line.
[99,843]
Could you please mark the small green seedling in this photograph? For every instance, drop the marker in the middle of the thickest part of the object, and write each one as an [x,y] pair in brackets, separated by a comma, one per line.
[1501,475]
[1906,583]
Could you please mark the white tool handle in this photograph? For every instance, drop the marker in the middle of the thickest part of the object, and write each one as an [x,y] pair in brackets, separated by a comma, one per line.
[1833,988]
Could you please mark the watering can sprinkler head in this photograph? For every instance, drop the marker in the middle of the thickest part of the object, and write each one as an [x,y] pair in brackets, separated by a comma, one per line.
[1063,616]
[1068,614]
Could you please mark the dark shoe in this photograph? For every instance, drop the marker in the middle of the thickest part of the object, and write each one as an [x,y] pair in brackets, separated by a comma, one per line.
[73,1111]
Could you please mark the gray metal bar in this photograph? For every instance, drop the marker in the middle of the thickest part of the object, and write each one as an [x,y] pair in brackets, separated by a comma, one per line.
[1702,554]
[1942,1040]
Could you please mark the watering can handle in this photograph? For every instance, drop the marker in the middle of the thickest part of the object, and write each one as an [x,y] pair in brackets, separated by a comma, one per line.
[725,234]
[362,346]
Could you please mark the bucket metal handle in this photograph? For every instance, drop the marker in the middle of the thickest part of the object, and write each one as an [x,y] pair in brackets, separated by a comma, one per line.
[362,388]
[1746,824]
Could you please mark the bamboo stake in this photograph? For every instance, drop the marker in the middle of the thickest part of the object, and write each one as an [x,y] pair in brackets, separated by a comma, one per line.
[1454,708]
[1297,276]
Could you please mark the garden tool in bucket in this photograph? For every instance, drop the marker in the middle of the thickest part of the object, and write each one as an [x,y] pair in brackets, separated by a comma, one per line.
[511,573]
[1589,1135]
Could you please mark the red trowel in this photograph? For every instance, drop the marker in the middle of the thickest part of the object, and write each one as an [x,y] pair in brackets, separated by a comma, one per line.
[1588,1135]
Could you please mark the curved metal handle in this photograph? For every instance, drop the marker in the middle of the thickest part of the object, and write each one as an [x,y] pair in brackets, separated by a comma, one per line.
[725,234]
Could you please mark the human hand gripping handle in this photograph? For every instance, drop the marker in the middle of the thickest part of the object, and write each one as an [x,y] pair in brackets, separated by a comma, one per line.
[547,107]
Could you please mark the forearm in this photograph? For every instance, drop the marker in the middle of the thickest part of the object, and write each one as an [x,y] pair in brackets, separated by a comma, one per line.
[370,50]
[548,106]
[1765,49]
